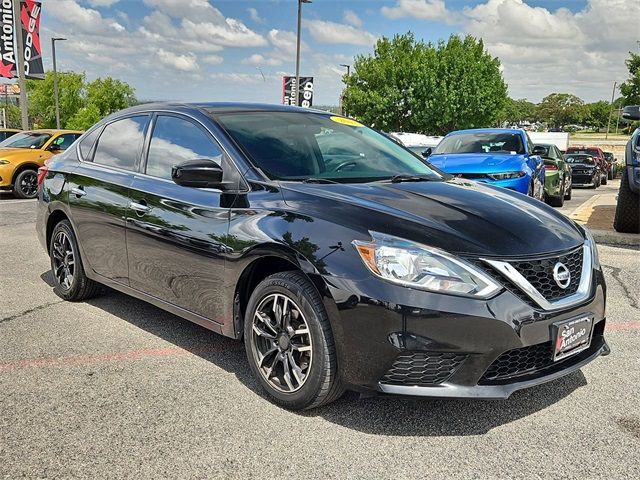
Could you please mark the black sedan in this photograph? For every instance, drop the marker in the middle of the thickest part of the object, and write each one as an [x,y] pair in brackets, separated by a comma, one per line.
[341,258]
[585,171]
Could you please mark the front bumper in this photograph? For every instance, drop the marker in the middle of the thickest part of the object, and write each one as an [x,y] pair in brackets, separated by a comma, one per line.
[375,335]
[6,176]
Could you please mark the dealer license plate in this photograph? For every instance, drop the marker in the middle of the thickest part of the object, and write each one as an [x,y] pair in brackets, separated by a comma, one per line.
[572,336]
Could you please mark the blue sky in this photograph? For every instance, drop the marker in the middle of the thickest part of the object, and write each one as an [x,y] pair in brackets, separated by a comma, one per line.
[219,50]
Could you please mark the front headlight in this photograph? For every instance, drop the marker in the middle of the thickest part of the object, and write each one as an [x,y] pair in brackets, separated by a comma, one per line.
[418,266]
[4,162]
[505,175]
[595,259]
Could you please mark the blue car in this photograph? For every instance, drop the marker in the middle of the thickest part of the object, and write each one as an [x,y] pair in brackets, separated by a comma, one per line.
[499,156]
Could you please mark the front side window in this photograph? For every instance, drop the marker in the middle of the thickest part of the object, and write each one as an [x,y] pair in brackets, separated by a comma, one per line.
[64,141]
[121,143]
[298,146]
[26,140]
[175,140]
[482,142]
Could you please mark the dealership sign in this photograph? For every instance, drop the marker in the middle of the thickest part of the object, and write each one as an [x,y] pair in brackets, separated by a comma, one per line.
[289,91]
[30,11]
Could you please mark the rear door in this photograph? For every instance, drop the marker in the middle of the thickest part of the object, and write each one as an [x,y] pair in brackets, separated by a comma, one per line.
[99,193]
[175,234]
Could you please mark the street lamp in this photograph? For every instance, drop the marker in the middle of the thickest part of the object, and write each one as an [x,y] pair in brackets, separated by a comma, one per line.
[348,67]
[55,78]
[300,2]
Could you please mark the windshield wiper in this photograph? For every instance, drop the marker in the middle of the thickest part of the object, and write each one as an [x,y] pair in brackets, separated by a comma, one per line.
[409,178]
[318,180]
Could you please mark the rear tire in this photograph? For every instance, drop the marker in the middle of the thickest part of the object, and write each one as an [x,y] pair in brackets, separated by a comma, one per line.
[605,179]
[297,370]
[70,281]
[25,185]
[556,201]
[627,219]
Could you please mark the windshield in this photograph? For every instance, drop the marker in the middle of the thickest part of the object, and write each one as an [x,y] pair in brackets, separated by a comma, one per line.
[580,159]
[482,142]
[26,140]
[300,146]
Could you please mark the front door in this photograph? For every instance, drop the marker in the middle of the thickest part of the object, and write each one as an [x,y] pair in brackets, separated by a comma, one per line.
[175,234]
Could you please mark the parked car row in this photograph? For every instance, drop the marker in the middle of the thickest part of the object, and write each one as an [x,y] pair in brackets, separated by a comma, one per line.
[22,153]
[508,158]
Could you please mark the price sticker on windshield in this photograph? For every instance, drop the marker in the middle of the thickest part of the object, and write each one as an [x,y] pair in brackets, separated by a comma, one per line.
[346,121]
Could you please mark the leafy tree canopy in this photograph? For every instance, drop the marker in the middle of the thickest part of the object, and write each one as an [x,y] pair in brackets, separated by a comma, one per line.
[630,89]
[421,87]
[82,103]
[560,109]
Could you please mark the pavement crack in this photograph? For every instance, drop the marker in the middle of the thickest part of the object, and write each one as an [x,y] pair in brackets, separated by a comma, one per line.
[615,273]
[28,311]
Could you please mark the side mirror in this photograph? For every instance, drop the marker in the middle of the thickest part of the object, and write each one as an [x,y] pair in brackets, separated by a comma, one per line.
[426,153]
[54,147]
[631,112]
[198,174]
[538,150]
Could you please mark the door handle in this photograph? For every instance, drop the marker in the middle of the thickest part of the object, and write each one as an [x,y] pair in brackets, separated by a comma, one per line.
[139,207]
[78,192]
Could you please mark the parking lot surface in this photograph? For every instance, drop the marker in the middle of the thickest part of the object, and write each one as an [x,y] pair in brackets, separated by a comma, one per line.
[115,388]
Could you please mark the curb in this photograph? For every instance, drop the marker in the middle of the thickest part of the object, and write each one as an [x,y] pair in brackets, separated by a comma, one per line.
[616,239]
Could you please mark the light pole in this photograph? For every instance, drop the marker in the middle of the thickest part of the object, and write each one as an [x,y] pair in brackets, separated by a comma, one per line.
[300,2]
[613,94]
[348,67]
[55,79]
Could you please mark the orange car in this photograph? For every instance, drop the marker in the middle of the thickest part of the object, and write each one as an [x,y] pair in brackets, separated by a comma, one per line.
[23,153]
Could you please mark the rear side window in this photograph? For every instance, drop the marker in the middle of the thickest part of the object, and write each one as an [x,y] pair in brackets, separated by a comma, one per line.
[121,143]
[86,144]
[176,140]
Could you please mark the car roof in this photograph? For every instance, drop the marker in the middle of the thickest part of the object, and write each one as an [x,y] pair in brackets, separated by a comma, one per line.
[52,131]
[219,107]
[10,130]
[488,130]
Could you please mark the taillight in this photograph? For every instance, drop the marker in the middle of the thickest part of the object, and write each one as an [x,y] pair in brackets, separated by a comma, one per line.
[551,166]
[42,172]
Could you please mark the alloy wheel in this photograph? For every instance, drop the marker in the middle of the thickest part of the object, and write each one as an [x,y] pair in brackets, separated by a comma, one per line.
[281,343]
[63,260]
[29,184]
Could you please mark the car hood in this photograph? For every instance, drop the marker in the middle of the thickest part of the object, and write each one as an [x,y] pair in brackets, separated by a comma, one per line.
[476,162]
[456,215]
[16,152]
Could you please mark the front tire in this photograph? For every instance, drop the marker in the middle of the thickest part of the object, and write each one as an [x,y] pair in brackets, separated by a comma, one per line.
[25,184]
[289,343]
[567,195]
[70,281]
[605,179]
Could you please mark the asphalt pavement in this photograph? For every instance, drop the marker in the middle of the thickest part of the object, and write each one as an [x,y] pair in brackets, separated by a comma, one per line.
[116,388]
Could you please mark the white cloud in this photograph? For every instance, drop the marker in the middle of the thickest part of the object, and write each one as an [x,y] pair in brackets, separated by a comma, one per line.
[422,9]
[260,61]
[102,3]
[544,51]
[200,11]
[352,18]
[330,32]
[212,59]
[284,41]
[184,63]
[254,15]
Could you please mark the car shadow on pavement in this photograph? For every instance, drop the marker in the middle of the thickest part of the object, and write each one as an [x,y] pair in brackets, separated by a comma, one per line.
[379,415]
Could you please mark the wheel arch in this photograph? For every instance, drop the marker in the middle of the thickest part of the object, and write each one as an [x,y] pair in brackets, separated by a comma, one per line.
[55,217]
[265,261]
[22,167]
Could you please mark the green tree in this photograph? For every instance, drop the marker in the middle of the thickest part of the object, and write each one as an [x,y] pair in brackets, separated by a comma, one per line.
[414,86]
[41,101]
[598,114]
[84,118]
[109,95]
[560,109]
[516,111]
[12,113]
[630,89]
